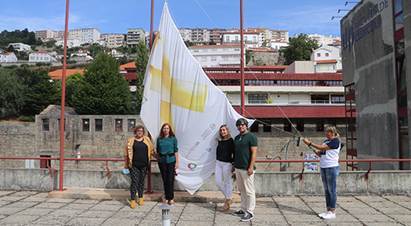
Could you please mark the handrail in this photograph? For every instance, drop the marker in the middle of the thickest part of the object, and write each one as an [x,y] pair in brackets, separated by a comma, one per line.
[149,185]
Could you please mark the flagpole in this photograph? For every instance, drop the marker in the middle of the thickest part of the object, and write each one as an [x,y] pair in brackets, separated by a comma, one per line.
[63,98]
[151,23]
[242,58]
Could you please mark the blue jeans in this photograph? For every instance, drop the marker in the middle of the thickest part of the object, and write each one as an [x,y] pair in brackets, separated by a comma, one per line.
[329,178]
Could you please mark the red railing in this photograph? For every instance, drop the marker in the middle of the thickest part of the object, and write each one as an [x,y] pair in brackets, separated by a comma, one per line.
[149,182]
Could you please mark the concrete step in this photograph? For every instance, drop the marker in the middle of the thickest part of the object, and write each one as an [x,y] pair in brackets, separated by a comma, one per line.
[120,194]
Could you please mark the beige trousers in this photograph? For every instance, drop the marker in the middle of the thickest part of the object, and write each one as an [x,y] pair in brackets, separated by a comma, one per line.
[245,184]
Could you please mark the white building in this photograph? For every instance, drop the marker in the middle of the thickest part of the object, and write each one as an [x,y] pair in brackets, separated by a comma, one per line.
[278,45]
[251,39]
[324,40]
[186,34]
[134,36]
[21,47]
[8,58]
[80,57]
[217,55]
[113,40]
[85,35]
[200,35]
[70,43]
[327,59]
[41,57]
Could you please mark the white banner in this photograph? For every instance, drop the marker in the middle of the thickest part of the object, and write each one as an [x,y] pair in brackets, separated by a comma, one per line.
[177,91]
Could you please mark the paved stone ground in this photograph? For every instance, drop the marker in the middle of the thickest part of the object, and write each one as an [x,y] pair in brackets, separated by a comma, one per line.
[33,208]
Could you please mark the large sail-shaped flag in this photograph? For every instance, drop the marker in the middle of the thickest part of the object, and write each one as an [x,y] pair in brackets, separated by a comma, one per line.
[177,91]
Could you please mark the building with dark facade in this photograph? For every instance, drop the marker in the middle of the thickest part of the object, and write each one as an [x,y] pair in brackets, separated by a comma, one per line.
[376,57]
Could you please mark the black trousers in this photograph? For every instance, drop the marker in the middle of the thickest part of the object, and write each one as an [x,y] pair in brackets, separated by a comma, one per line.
[167,174]
[137,175]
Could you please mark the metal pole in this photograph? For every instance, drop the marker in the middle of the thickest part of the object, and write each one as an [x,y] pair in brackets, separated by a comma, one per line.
[149,186]
[63,97]
[151,23]
[242,58]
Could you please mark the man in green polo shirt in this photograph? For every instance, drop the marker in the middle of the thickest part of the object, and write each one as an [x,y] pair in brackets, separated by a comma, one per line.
[244,160]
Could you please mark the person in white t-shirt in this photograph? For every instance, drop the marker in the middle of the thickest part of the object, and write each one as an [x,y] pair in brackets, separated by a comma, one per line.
[329,154]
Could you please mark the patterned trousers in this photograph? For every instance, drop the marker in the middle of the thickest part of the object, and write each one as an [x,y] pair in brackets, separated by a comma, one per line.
[137,175]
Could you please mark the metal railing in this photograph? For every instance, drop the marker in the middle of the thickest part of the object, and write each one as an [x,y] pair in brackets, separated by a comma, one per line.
[149,172]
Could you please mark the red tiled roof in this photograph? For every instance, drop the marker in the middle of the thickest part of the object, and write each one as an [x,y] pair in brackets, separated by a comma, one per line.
[130,65]
[326,61]
[296,112]
[279,76]
[56,74]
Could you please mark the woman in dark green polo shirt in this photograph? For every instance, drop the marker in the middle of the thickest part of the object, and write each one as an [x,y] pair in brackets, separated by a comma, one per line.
[167,160]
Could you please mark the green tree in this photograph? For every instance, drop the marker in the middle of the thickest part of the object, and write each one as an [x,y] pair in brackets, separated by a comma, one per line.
[39,92]
[141,64]
[95,49]
[12,90]
[72,83]
[300,48]
[102,90]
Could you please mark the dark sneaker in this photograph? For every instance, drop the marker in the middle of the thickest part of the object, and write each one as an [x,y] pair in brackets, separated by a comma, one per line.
[239,213]
[247,217]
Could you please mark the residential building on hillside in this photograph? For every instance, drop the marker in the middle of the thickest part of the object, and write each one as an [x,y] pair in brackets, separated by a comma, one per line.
[324,40]
[277,45]
[41,57]
[200,35]
[216,35]
[113,40]
[327,59]
[70,43]
[185,34]
[251,39]
[45,35]
[21,47]
[8,57]
[217,55]
[85,35]
[134,36]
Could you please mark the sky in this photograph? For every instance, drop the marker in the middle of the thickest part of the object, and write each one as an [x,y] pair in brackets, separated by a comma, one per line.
[115,16]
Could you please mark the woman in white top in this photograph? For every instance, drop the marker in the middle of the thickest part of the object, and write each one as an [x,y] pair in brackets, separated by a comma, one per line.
[328,153]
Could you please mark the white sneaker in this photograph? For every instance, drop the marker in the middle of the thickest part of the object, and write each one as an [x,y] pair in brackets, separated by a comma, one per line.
[329,216]
[322,214]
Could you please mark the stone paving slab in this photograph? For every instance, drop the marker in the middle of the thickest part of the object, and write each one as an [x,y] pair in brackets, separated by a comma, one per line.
[32,208]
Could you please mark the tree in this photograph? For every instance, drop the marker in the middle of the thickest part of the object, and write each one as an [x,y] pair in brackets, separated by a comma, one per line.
[141,64]
[95,49]
[39,90]
[102,90]
[72,84]
[12,98]
[300,48]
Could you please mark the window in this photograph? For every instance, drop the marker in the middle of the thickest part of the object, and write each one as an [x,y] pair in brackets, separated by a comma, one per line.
[46,124]
[45,163]
[86,125]
[58,121]
[320,99]
[257,98]
[131,123]
[318,54]
[98,125]
[327,54]
[213,59]
[337,99]
[119,125]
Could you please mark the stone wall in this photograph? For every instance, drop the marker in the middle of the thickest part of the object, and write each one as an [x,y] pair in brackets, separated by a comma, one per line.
[17,139]
[41,138]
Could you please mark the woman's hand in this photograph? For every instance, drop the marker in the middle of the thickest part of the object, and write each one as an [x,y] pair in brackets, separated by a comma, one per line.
[306,141]
[176,166]
[250,171]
